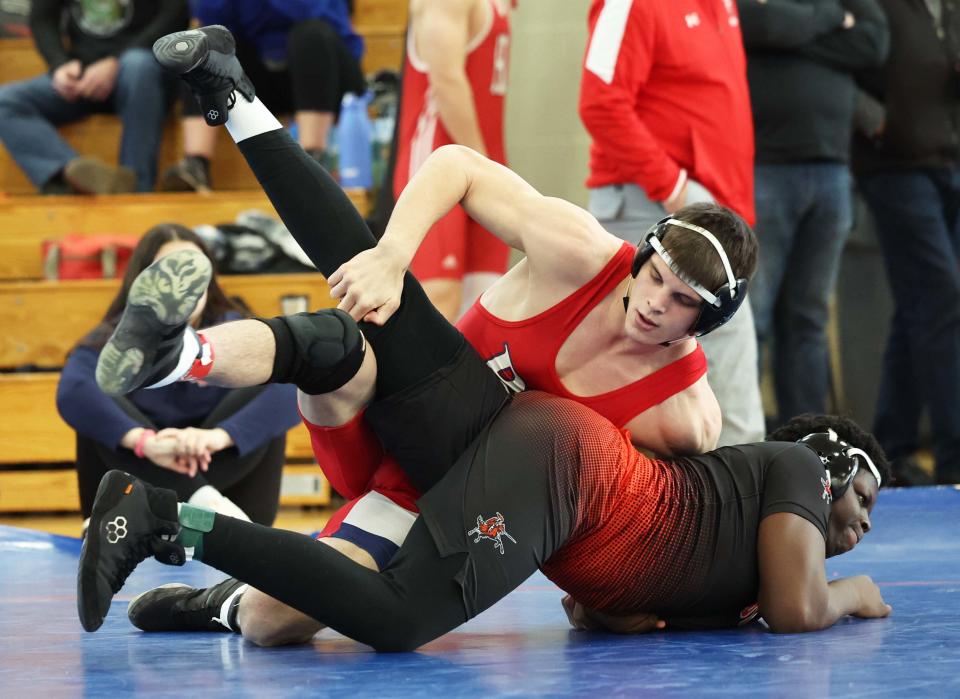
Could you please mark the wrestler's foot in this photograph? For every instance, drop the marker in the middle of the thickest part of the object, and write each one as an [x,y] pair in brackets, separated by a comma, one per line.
[179,607]
[147,345]
[128,523]
[206,59]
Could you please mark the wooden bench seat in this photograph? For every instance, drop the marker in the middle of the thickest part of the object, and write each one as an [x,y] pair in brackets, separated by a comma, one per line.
[99,135]
[29,220]
[43,320]
[32,432]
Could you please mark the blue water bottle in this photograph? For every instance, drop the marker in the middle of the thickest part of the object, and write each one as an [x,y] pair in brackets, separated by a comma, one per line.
[354,133]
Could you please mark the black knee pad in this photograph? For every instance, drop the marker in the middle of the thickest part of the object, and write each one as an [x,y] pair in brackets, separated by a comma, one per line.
[318,352]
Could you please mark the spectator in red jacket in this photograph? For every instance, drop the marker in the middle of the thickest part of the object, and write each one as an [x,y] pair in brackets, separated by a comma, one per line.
[664,96]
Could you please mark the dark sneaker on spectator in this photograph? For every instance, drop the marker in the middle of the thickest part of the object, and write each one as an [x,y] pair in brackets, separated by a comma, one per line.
[206,59]
[189,175]
[130,521]
[147,346]
[91,176]
[179,607]
[907,472]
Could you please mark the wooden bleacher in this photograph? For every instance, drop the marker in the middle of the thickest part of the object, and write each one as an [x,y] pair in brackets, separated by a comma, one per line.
[36,446]
[42,320]
[26,221]
[31,430]
[380,22]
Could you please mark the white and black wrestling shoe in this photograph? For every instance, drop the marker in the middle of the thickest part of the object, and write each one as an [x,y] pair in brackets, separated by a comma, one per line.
[147,347]
[206,59]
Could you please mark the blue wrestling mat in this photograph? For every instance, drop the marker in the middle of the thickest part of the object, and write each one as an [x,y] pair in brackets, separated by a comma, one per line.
[521,647]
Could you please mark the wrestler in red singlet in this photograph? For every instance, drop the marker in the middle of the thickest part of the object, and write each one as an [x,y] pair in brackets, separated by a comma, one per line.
[517,350]
[456,245]
[523,354]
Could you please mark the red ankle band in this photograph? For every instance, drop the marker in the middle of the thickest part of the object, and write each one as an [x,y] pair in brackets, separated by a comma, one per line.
[203,364]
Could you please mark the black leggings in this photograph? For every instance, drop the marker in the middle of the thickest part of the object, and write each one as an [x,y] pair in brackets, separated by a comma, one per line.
[521,466]
[328,227]
[413,347]
[252,481]
[318,72]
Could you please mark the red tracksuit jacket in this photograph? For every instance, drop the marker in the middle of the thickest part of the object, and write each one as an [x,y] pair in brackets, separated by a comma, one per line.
[664,96]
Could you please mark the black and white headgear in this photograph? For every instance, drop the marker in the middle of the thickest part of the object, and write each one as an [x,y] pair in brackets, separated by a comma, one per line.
[719,305]
[841,460]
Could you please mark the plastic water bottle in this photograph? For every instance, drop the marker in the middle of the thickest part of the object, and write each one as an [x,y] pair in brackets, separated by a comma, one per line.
[382,137]
[354,134]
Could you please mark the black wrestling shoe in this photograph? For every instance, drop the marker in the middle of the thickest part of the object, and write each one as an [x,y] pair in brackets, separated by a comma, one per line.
[179,607]
[127,524]
[206,59]
[148,341]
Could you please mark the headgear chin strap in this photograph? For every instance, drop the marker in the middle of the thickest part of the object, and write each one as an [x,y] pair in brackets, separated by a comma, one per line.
[841,460]
[718,306]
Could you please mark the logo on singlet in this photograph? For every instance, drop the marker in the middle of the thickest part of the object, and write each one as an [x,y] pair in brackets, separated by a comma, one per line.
[827,494]
[501,65]
[502,366]
[493,528]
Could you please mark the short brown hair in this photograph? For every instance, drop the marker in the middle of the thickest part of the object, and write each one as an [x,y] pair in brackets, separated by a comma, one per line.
[697,257]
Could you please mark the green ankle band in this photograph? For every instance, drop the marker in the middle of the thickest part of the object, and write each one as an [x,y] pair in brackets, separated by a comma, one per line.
[199,519]
[194,523]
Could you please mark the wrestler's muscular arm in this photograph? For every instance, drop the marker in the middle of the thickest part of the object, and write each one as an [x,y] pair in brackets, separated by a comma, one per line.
[564,245]
[685,424]
[794,593]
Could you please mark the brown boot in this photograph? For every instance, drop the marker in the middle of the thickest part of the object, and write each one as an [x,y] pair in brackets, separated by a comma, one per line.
[192,174]
[91,176]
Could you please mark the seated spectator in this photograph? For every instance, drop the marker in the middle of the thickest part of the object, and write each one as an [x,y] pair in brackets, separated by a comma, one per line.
[303,56]
[99,60]
[217,447]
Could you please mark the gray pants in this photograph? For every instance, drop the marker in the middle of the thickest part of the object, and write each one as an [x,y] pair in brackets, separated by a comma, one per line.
[627,212]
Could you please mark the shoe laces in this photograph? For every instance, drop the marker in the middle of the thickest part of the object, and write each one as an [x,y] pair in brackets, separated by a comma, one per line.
[131,559]
[205,81]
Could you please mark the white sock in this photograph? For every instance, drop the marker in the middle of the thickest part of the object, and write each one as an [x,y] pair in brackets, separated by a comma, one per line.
[213,499]
[224,618]
[188,353]
[249,119]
